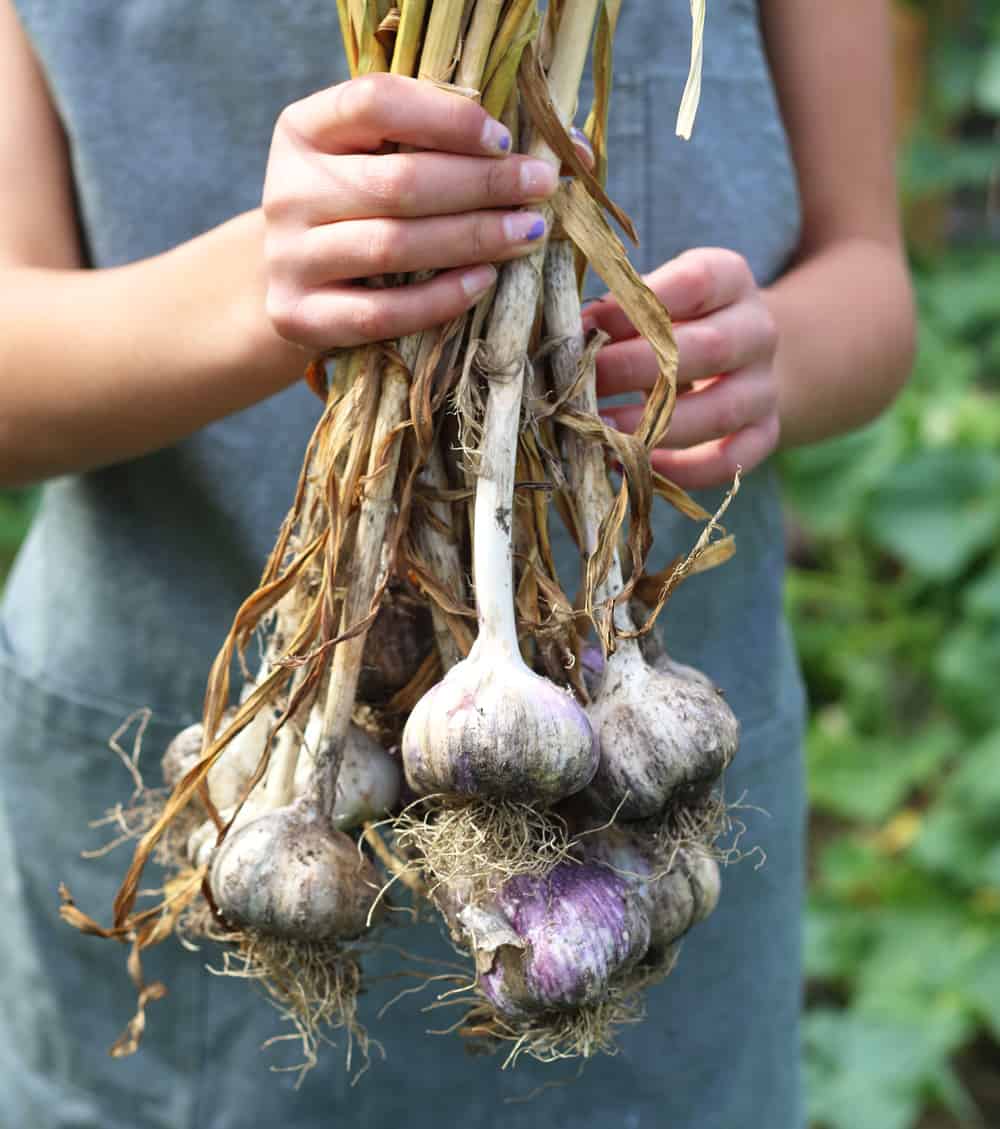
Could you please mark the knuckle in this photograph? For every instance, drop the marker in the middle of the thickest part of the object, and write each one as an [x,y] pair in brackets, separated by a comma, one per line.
[715,349]
[279,258]
[496,182]
[730,414]
[698,280]
[285,311]
[768,330]
[386,246]
[368,318]
[292,120]
[361,99]
[736,264]
[392,180]
[482,240]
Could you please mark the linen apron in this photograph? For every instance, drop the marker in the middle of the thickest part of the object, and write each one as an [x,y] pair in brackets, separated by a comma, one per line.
[130,576]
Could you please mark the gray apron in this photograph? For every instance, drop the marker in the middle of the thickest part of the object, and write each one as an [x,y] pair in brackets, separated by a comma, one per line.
[130,576]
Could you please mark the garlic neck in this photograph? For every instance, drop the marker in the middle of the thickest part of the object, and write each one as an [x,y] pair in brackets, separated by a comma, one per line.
[493,558]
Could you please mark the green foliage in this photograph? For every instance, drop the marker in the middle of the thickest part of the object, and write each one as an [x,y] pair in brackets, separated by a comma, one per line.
[896,609]
[895,603]
[15,513]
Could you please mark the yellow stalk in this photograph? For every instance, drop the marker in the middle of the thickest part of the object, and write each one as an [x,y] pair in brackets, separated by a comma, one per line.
[504,78]
[347,36]
[437,60]
[408,38]
[476,49]
[509,28]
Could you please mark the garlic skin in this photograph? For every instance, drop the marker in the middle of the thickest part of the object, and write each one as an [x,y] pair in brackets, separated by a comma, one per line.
[674,899]
[395,646]
[289,874]
[182,754]
[579,927]
[369,780]
[663,738]
[494,728]
[228,778]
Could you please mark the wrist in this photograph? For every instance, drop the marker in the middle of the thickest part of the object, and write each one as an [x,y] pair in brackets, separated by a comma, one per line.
[249,349]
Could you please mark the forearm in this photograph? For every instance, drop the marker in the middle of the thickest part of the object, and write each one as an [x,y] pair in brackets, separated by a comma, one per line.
[97,366]
[845,337]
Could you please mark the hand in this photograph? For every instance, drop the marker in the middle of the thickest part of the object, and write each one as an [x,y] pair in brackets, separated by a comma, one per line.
[338,208]
[727,408]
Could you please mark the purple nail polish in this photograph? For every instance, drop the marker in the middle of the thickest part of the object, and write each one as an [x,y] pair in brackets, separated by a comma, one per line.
[537,230]
[504,143]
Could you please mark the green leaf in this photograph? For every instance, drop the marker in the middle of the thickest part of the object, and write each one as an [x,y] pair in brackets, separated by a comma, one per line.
[863,1073]
[988,82]
[982,596]
[865,778]
[967,670]
[938,510]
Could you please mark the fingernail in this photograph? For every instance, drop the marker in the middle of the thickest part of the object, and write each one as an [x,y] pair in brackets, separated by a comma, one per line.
[495,136]
[523,227]
[538,179]
[478,280]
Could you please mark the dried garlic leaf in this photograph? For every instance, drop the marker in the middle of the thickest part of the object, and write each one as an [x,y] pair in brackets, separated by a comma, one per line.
[692,88]
[585,224]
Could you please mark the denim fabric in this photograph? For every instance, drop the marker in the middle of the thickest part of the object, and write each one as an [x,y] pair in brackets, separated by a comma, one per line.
[131,574]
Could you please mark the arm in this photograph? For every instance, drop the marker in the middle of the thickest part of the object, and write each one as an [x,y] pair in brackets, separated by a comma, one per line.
[97,366]
[845,310]
[827,347]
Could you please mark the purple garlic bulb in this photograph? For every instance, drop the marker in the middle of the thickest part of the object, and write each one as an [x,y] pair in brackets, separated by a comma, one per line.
[678,888]
[569,934]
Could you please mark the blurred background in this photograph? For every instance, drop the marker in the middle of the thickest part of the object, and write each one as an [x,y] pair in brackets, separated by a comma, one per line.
[894,593]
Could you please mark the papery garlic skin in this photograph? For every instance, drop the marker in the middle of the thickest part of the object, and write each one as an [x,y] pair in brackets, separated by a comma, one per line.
[678,888]
[228,778]
[369,780]
[579,926]
[288,873]
[663,739]
[395,646]
[496,729]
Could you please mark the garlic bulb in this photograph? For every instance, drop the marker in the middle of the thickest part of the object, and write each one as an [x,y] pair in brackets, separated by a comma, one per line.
[663,738]
[288,874]
[396,645]
[228,778]
[677,890]
[555,943]
[492,727]
[368,782]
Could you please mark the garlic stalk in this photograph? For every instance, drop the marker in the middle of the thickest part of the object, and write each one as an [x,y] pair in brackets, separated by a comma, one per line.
[664,737]
[492,727]
[289,873]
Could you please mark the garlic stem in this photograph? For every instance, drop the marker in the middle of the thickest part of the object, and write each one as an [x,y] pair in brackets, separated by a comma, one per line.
[441,554]
[373,518]
[587,471]
[507,339]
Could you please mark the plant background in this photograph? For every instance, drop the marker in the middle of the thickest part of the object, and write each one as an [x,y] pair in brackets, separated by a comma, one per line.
[894,593]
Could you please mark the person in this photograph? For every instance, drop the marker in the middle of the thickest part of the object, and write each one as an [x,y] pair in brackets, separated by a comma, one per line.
[168,258]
